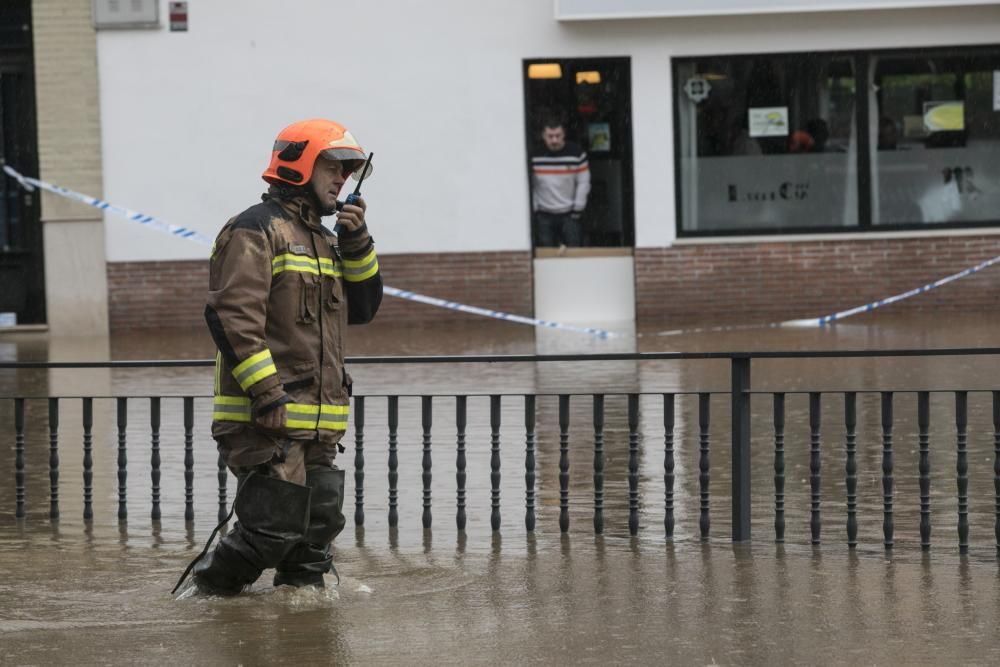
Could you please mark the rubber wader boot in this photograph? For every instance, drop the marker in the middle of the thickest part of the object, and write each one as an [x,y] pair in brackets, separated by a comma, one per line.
[306,564]
[273,515]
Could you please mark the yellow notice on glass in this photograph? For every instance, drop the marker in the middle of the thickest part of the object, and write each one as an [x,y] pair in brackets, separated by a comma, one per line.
[944,116]
[768,122]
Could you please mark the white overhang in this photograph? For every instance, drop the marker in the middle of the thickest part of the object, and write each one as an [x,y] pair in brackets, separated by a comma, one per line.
[595,10]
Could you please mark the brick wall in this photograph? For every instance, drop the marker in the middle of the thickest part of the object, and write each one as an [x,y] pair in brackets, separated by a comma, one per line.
[172,294]
[725,282]
[768,281]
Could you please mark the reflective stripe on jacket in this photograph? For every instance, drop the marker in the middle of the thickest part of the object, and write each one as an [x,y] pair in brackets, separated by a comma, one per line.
[281,290]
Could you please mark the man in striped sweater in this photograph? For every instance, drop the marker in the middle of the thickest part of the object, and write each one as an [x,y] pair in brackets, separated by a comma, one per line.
[560,185]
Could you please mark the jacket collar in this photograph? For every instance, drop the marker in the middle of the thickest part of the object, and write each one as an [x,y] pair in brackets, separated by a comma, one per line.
[297,205]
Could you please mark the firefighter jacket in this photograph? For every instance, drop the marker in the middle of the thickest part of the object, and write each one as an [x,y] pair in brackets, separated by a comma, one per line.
[282,288]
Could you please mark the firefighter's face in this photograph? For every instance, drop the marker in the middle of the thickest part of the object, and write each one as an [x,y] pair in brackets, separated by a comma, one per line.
[327,180]
[554,137]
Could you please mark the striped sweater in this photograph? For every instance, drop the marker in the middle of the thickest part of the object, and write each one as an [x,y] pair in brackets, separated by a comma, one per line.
[560,180]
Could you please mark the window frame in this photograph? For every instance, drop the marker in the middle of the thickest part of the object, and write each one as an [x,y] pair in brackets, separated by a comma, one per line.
[861,60]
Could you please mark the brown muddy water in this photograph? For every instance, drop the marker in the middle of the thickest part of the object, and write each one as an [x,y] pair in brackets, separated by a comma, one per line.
[98,592]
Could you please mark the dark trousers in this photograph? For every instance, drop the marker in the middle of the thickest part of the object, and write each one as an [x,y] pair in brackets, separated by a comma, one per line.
[554,229]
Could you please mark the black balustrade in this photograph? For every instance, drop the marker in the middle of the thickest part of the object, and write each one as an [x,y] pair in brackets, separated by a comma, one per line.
[393,461]
[609,447]
[704,521]
[222,474]
[564,462]
[923,439]
[426,413]
[188,459]
[668,466]
[359,460]
[888,526]
[495,462]
[633,464]
[88,459]
[122,409]
[461,420]
[19,457]
[962,468]
[779,468]
[154,462]
[53,458]
[815,481]
[851,445]
[529,464]
[740,405]
[598,464]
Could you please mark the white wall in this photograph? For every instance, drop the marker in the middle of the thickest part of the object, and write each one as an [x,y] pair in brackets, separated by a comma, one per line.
[434,88]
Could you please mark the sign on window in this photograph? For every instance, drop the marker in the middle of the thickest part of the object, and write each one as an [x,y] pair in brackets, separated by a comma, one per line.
[769,122]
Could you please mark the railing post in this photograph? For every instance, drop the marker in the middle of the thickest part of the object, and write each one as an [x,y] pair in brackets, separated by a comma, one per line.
[359,460]
[740,393]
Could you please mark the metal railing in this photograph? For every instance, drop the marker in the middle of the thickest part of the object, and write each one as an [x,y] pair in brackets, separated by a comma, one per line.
[740,395]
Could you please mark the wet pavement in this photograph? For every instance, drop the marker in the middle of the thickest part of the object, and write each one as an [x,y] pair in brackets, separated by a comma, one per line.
[98,592]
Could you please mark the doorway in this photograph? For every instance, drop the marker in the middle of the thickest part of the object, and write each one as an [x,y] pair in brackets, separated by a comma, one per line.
[592,99]
[583,266]
[22,282]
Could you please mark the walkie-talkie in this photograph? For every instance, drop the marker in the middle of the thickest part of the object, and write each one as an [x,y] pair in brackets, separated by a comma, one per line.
[353,198]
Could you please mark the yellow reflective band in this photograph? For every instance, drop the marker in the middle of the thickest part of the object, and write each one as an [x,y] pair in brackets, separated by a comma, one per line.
[360,263]
[328,267]
[359,270]
[251,360]
[254,369]
[312,417]
[231,409]
[304,264]
[232,400]
[334,417]
[298,263]
[297,415]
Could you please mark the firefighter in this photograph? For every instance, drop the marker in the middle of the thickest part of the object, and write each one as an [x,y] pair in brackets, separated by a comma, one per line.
[282,288]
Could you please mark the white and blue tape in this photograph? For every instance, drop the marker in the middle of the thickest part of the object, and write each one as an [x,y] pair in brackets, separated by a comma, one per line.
[868,307]
[30,184]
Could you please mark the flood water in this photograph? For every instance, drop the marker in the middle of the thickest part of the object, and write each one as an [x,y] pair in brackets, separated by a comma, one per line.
[98,592]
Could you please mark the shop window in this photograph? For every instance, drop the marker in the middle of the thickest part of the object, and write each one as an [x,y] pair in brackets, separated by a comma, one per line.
[936,156]
[827,142]
[767,142]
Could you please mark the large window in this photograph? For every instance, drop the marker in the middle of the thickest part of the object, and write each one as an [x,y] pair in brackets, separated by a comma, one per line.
[837,141]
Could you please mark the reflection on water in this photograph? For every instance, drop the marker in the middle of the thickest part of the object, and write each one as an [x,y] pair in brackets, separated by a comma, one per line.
[422,596]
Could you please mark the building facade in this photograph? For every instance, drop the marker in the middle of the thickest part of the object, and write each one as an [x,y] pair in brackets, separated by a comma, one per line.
[746,161]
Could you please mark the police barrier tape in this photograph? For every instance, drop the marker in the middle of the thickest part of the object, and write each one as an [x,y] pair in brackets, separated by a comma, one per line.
[30,184]
[868,307]
[830,319]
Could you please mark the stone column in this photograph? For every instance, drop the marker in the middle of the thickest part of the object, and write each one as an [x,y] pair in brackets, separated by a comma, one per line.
[69,154]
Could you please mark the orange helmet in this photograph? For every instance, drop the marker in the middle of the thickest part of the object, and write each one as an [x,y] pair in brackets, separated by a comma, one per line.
[298,145]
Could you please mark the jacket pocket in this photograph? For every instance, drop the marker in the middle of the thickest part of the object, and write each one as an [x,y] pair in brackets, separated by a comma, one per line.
[330,298]
[309,297]
[298,376]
